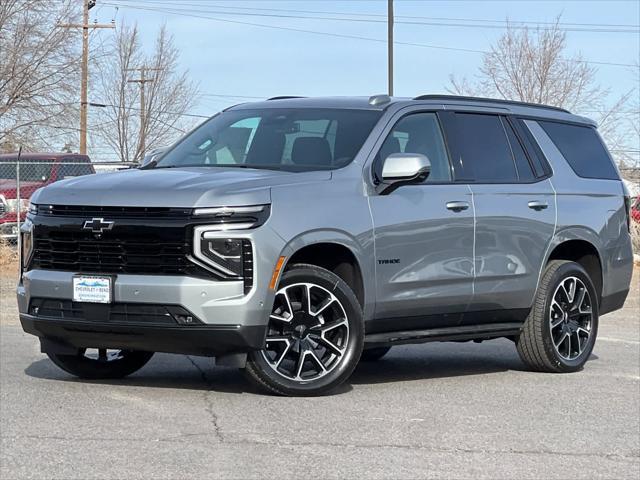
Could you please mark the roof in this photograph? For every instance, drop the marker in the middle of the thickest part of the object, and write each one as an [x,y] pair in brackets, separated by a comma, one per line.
[442,101]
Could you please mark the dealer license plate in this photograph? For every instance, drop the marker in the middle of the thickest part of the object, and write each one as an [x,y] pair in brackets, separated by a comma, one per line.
[92,289]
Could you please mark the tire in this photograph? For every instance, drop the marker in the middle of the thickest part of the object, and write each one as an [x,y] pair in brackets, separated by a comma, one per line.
[374,354]
[108,364]
[315,335]
[560,332]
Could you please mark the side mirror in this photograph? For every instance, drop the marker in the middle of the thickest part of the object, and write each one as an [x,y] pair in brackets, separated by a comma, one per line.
[403,169]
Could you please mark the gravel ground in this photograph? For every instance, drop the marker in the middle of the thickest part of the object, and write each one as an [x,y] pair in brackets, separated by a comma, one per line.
[450,410]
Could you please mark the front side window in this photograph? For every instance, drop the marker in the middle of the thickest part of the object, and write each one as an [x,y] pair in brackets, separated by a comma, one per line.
[482,150]
[418,133]
[296,139]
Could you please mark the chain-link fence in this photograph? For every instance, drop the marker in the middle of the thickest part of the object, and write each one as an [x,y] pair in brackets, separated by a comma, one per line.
[19,180]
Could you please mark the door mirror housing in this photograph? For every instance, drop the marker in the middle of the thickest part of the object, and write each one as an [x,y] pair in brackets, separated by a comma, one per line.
[403,169]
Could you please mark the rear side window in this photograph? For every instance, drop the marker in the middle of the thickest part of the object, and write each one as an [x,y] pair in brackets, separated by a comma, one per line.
[525,173]
[482,149]
[582,148]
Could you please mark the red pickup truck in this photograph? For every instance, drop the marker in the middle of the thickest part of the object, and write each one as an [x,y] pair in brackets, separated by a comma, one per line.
[36,170]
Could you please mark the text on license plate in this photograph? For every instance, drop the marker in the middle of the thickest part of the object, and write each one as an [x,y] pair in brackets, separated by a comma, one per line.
[92,289]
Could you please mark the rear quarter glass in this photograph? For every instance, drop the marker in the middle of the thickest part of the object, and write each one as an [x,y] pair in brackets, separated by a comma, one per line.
[582,148]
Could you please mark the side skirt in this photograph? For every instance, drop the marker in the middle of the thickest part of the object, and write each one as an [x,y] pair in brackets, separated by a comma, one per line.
[446,334]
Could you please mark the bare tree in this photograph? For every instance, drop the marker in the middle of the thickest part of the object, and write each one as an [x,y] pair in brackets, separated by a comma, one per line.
[38,65]
[168,95]
[533,66]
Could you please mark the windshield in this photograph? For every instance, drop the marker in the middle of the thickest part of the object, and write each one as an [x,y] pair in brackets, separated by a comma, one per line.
[283,139]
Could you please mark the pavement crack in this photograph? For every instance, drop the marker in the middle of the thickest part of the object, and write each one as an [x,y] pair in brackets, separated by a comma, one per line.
[209,401]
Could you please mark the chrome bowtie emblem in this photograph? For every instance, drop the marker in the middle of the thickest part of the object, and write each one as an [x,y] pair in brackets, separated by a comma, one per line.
[97,225]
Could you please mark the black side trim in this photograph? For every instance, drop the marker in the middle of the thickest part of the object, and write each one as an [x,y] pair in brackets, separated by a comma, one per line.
[488,315]
[210,340]
[613,302]
[472,332]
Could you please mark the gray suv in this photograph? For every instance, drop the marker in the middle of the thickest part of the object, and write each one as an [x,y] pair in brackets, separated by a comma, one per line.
[296,237]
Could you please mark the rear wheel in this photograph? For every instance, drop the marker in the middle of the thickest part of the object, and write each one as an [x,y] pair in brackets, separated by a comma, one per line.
[101,363]
[315,335]
[374,354]
[560,331]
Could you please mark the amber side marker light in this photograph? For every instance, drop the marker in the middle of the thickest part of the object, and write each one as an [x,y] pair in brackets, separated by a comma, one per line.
[276,273]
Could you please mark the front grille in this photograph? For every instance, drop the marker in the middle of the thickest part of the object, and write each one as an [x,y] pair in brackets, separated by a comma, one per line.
[113,212]
[122,313]
[157,243]
[80,252]
[153,246]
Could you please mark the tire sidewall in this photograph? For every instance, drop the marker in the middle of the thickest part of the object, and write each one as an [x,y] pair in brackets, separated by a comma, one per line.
[569,269]
[335,285]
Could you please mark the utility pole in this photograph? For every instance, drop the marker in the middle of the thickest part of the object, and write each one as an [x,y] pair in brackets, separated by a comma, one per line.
[84,83]
[390,44]
[143,113]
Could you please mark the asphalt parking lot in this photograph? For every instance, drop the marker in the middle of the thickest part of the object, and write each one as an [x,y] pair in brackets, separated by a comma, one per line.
[450,410]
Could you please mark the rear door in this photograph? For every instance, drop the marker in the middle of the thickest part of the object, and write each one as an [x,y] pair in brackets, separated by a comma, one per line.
[423,236]
[515,213]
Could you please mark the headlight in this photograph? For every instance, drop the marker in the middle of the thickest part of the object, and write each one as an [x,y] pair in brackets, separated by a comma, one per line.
[225,253]
[228,258]
[26,241]
[12,205]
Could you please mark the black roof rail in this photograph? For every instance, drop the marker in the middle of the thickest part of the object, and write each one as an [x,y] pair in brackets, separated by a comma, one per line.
[490,100]
[285,97]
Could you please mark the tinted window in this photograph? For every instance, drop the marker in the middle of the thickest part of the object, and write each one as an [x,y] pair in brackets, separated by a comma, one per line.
[482,149]
[295,139]
[582,148]
[540,165]
[525,173]
[29,171]
[73,170]
[418,133]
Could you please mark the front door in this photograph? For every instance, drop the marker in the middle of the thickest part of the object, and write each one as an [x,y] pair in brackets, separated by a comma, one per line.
[423,237]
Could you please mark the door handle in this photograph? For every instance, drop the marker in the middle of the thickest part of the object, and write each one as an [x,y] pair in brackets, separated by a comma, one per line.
[537,205]
[457,206]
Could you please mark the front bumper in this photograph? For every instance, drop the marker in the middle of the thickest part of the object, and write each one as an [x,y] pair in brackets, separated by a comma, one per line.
[212,340]
[229,321]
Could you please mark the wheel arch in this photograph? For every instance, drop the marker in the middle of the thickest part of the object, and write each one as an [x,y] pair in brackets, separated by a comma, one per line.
[339,253]
[580,246]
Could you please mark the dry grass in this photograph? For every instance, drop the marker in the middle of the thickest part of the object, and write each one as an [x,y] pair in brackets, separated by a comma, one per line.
[635,237]
[8,257]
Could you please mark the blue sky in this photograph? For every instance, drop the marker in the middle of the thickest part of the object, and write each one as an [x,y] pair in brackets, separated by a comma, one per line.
[234,59]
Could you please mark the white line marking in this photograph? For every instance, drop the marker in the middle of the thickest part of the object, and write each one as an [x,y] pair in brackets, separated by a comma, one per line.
[618,340]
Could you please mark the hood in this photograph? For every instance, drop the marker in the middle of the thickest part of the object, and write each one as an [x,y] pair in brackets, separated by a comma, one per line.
[173,187]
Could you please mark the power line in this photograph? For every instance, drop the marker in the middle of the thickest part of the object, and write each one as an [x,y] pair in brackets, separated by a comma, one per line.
[479,20]
[435,21]
[339,35]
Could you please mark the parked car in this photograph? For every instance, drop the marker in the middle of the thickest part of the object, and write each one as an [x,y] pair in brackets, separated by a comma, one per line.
[635,209]
[37,170]
[298,236]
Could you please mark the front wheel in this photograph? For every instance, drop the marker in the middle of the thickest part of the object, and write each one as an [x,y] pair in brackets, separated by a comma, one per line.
[101,363]
[560,331]
[315,335]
